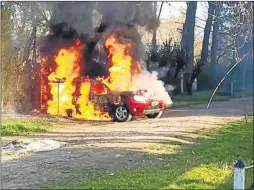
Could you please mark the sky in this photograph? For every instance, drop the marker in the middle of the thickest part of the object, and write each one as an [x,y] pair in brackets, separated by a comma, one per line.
[177,8]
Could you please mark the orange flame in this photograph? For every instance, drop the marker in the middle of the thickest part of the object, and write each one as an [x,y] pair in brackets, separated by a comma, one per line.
[87,108]
[67,62]
[120,71]
[68,68]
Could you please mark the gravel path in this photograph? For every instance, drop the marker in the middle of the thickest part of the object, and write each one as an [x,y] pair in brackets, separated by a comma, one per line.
[102,148]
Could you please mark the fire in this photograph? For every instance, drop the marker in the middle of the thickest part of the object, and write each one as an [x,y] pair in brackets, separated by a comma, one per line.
[120,71]
[62,79]
[87,108]
[67,69]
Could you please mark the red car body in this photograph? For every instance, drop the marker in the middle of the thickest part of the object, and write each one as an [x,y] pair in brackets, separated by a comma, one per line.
[122,105]
[138,108]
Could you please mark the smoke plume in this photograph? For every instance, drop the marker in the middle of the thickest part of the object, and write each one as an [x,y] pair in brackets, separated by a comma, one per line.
[73,20]
[78,15]
[155,88]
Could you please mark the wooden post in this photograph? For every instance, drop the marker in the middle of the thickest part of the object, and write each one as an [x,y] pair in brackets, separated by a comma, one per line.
[239,174]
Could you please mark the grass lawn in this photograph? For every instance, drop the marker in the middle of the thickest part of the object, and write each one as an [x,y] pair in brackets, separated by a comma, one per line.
[23,127]
[197,98]
[207,164]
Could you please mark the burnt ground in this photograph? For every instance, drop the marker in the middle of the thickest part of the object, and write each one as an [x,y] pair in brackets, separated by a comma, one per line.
[102,148]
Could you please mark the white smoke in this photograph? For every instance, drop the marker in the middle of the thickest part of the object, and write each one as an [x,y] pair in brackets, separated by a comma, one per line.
[154,86]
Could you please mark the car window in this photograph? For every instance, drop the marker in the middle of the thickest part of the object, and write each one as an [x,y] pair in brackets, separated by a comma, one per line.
[99,88]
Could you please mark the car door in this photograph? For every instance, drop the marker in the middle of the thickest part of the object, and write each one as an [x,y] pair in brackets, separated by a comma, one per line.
[99,93]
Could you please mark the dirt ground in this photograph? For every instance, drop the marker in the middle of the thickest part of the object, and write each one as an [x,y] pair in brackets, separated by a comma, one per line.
[102,148]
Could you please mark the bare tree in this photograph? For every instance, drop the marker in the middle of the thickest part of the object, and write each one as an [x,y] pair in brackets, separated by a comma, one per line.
[20,23]
[190,20]
[236,39]
[207,30]
[235,28]
[214,48]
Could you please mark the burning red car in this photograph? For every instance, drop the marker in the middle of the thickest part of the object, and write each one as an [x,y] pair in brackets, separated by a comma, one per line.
[108,64]
[136,105]
[121,106]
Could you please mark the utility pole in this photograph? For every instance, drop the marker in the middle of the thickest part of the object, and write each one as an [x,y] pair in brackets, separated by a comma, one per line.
[154,30]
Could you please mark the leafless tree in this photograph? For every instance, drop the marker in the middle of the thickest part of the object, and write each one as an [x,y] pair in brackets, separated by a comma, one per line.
[188,42]
[214,48]
[207,30]
[236,39]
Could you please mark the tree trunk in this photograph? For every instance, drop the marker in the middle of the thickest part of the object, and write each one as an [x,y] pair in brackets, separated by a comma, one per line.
[33,90]
[184,36]
[190,19]
[183,51]
[207,30]
[214,48]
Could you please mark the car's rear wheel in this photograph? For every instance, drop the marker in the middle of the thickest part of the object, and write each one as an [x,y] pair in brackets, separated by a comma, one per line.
[122,114]
[155,115]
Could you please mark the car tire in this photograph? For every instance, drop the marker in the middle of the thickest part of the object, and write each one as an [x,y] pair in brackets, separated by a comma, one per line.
[122,114]
[155,115]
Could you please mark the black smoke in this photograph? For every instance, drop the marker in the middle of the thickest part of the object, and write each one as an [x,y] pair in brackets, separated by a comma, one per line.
[72,21]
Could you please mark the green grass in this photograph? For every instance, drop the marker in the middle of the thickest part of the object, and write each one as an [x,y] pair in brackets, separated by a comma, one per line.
[203,97]
[197,98]
[23,127]
[208,164]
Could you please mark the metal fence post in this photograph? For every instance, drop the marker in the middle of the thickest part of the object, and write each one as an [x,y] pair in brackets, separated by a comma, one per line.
[239,174]
[232,88]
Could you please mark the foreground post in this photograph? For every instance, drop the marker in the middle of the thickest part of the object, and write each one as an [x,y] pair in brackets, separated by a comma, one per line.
[239,173]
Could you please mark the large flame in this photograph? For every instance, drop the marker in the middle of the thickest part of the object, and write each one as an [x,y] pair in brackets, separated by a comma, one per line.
[63,85]
[121,60]
[87,108]
[67,69]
